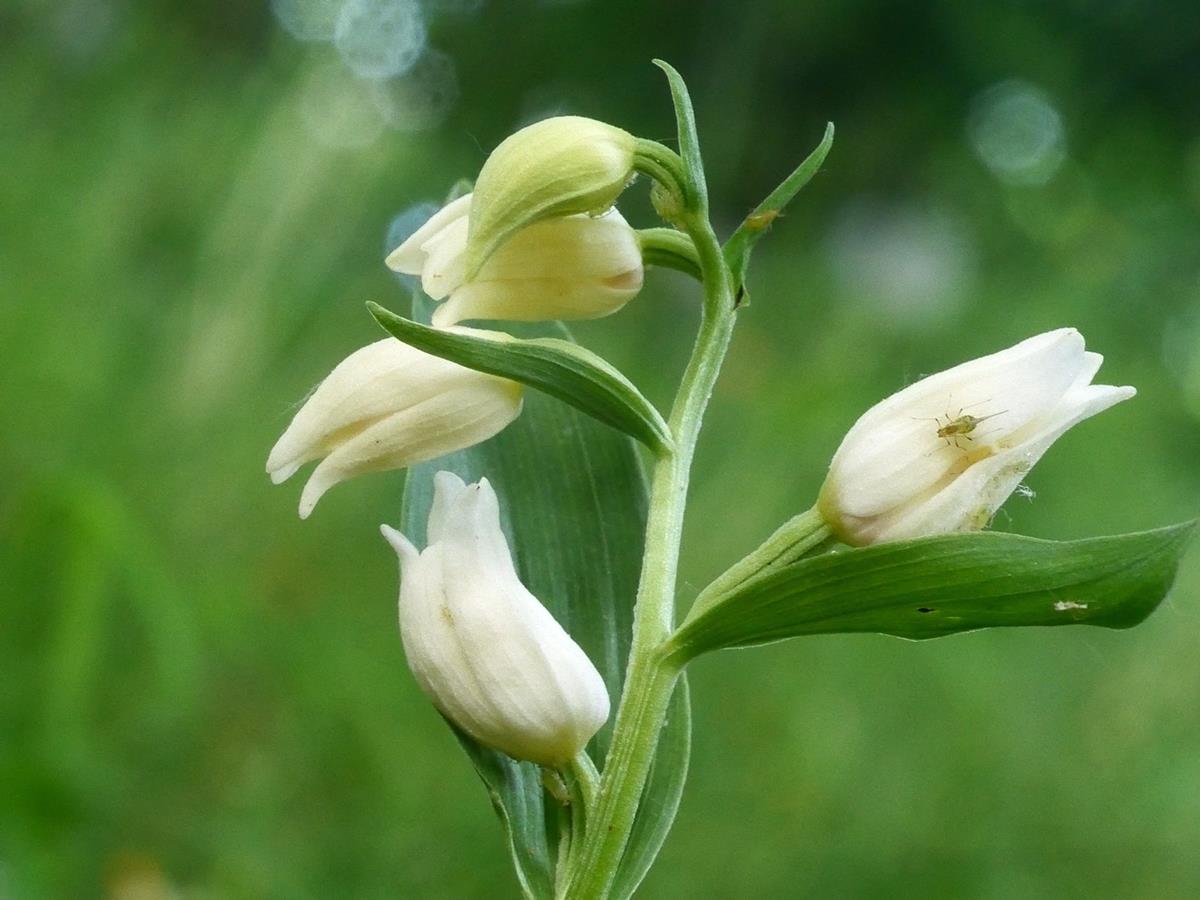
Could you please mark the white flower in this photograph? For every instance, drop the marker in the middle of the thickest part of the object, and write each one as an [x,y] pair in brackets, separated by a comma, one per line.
[944,453]
[571,267]
[387,406]
[556,167]
[485,651]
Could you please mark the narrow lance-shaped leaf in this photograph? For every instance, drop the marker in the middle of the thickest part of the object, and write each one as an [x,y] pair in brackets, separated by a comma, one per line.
[755,225]
[573,506]
[558,367]
[689,142]
[944,585]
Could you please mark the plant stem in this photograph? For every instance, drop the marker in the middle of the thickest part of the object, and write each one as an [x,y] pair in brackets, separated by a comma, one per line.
[791,541]
[583,772]
[651,678]
[581,779]
[670,248]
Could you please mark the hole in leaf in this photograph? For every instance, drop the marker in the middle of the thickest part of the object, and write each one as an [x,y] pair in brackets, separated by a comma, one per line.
[925,609]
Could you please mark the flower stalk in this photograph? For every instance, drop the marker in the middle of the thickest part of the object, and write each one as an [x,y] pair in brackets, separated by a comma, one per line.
[792,541]
[651,676]
[671,249]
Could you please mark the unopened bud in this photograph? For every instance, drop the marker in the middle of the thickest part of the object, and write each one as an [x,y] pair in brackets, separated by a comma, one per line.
[943,454]
[387,406]
[567,267]
[488,654]
[556,167]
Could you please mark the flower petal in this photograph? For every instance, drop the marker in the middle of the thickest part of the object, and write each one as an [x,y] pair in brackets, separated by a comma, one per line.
[403,546]
[532,301]
[578,247]
[409,257]
[443,270]
[893,451]
[970,500]
[364,388]
[455,418]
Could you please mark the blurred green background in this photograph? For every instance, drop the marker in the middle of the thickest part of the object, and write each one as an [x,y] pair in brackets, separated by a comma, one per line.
[203,697]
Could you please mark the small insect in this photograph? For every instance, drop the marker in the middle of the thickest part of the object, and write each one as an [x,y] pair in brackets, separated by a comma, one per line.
[762,221]
[958,427]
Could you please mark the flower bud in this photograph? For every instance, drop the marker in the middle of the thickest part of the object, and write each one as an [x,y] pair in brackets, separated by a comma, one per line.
[943,454]
[569,267]
[491,658]
[555,167]
[387,406]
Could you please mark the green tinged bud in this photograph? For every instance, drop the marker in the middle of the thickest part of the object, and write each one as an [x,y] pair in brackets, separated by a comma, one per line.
[557,167]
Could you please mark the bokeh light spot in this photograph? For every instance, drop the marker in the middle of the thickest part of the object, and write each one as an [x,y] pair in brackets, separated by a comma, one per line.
[1017,133]
[1181,353]
[308,20]
[454,7]
[337,108]
[911,264]
[380,38]
[84,28]
[423,97]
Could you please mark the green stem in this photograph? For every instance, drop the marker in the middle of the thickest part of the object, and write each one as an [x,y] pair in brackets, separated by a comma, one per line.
[584,774]
[670,248]
[651,678]
[665,166]
[792,541]
[581,780]
[570,827]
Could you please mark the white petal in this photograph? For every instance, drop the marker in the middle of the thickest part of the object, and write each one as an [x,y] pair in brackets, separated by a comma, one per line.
[403,546]
[578,247]
[969,501]
[466,518]
[431,645]
[453,419]
[534,301]
[371,384]
[448,489]
[545,697]
[893,451]
[357,392]
[443,270]
[409,257]
[573,267]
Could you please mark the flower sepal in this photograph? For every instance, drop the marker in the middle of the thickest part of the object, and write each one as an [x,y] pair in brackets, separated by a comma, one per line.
[561,166]
[567,267]
[388,406]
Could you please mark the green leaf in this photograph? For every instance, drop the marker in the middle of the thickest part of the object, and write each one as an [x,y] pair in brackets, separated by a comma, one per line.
[573,505]
[755,225]
[944,585]
[554,365]
[689,142]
